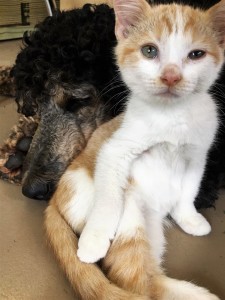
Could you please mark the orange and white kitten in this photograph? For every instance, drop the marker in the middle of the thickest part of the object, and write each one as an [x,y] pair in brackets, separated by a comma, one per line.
[136,166]
[168,56]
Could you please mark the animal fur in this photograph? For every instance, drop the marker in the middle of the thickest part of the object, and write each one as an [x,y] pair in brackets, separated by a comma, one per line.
[169,124]
[52,68]
[129,270]
[15,148]
[71,79]
[129,263]
[7,86]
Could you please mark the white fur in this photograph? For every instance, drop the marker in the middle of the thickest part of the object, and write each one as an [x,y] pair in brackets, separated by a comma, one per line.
[77,209]
[132,218]
[162,144]
[183,290]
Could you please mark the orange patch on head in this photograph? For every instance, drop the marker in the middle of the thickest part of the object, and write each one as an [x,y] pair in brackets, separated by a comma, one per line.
[162,20]
[166,24]
[128,52]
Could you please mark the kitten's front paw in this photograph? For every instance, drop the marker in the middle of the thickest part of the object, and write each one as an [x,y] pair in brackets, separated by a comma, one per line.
[195,224]
[92,247]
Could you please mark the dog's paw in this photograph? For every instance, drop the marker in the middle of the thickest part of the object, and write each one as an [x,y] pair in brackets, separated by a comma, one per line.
[92,247]
[15,161]
[13,175]
[195,225]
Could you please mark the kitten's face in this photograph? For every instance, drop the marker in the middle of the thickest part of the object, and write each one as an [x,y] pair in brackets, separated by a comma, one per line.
[170,53]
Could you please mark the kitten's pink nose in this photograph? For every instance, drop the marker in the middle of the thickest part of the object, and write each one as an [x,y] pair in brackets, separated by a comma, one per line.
[171,75]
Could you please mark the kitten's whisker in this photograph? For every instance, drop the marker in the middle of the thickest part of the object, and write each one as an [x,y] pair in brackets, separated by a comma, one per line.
[118,85]
[117,103]
[114,79]
[113,88]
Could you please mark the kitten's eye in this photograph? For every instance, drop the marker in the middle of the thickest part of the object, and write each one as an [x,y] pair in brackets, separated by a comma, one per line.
[196,54]
[149,51]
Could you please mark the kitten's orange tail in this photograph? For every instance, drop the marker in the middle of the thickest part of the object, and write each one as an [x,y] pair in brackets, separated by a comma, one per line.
[130,261]
[90,283]
[88,280]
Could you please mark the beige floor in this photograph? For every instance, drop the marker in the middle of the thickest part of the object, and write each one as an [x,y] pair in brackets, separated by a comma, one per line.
[28,270]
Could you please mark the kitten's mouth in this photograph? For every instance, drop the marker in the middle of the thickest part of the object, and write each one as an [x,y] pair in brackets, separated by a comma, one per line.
[167,94]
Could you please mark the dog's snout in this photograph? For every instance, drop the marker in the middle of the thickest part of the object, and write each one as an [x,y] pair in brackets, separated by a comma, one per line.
[36,189]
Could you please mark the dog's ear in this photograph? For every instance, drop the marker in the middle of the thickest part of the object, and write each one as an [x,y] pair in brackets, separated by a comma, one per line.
[128,14]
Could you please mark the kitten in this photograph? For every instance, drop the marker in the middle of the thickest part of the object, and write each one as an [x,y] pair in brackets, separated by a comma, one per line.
[168,56]
[131,270]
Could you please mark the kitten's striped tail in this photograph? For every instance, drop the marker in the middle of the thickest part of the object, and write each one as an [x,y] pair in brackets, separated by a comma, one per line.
[88,280]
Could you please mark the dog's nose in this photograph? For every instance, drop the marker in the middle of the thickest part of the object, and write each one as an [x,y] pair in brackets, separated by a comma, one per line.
[37,190]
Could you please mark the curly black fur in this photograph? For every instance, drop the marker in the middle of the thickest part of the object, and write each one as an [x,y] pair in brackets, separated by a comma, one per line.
[68,49]
[75,48]
[214,177]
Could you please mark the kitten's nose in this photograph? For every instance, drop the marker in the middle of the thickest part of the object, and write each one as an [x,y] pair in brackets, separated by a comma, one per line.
[171,75]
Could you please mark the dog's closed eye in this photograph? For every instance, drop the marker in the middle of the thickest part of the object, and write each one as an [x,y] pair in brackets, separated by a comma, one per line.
[74,104]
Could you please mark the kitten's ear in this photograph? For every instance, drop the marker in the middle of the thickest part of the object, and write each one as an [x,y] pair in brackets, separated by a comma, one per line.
[128,13]
[217,15]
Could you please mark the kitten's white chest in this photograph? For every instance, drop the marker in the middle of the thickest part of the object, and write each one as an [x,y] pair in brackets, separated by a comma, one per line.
[158,175]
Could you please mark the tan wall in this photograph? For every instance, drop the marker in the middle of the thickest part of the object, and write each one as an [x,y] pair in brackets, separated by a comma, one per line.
[69,4]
